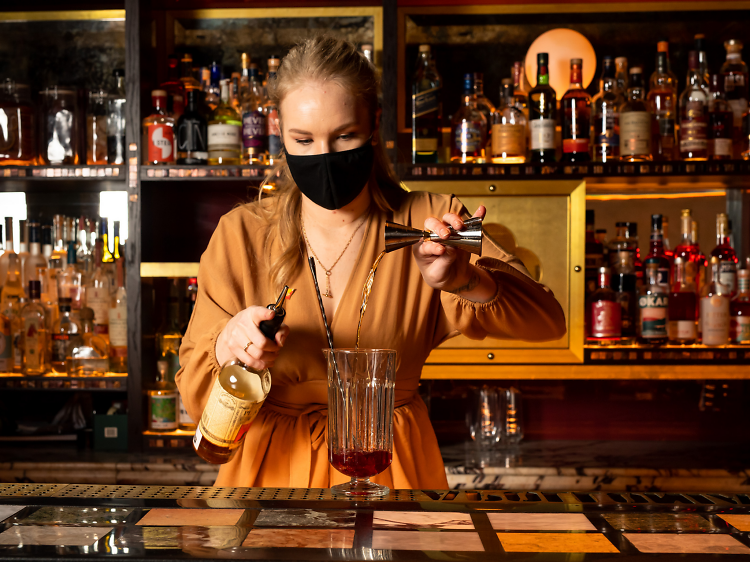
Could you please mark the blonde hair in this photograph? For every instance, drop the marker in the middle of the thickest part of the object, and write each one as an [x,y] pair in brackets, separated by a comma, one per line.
[319,59]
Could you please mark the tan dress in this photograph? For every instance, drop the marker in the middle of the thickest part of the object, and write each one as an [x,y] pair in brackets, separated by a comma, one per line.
[286,444]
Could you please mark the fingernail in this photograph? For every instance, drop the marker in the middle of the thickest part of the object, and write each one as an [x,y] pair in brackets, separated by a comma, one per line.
[445,232]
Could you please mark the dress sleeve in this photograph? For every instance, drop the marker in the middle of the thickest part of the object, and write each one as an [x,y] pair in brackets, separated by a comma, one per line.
[522,309]
[219,298]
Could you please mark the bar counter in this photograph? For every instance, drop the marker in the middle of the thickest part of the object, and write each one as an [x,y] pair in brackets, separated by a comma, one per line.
[44,521]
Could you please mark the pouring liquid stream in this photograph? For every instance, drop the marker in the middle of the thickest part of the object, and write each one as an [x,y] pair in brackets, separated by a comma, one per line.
[366,290]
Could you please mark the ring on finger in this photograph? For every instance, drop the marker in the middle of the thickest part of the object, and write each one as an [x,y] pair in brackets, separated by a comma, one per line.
[246,346]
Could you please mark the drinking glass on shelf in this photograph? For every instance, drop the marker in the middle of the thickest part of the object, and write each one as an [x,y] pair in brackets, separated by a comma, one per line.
[361,385]
[513,416]
[485,416]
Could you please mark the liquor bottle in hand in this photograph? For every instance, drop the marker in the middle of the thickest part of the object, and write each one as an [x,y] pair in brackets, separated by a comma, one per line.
[635,122]
[542,115]
[426,109]
[694,114]
[576,119]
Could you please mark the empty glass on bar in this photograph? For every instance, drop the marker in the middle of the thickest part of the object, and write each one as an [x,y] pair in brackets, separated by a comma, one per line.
[361,386]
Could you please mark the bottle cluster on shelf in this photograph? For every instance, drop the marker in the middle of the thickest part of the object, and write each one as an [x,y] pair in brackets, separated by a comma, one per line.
[674,296]
[198,118]
[627,120]
[63,304]
[166,411]
[67,126]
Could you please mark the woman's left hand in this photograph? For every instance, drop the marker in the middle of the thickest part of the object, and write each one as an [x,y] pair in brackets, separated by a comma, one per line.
[447,268]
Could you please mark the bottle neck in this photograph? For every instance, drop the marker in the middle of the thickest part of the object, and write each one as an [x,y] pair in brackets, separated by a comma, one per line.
[686,230]
[160,105]
[743,284]
[657,243]
[694,77]
[542,76]
[604,280]
[575,78]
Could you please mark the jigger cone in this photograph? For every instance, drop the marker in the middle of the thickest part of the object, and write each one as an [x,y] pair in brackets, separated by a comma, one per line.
[398,236]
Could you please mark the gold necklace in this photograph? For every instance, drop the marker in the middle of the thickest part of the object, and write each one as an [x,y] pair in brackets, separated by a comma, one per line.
[329,269]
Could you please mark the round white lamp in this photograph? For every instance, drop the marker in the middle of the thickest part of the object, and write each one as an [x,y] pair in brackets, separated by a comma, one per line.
[561,45]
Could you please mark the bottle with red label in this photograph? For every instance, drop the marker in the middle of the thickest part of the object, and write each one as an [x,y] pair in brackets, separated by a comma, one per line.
[726,254]
[682,306]
[604,312]
[158,132]
[576,126]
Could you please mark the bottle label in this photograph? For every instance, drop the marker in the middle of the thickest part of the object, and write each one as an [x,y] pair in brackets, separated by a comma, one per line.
[653,310]
[254,131]
[426,102]
[739,329]
[682,330]
[191,137]
[739,107]
[468,137]
[6,346]
[59,347]
[118,327]
[424,145]
[635,133]
[542,134]
[223,136]
[226,418]
[666,125]
[97,299]
[721,147]
[160,143]
[693,132]
[728,275]
[575,145]
[607,129]
[606,319]
[33,351]
[508,139]
[164,411]
[183,416]
[715,320]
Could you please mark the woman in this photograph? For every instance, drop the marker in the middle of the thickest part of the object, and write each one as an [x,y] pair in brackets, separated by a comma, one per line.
[334,194]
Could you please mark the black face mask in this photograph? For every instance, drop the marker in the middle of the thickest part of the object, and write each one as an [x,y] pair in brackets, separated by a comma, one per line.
[335,179]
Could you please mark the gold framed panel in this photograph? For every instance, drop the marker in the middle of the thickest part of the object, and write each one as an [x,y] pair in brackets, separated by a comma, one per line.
[534,214]
[375,12]
[561,8]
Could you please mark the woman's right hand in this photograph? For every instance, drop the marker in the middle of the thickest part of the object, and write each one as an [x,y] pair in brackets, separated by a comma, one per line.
[243,329]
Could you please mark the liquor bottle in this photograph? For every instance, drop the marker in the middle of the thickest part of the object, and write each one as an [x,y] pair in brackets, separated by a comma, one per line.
[66,332]
[84,251]
[90,357]
[162,401]
[700,47]
[272,114]
[653,303]
[189,82]
[236,397]
[520,95]
[254,139]
[47,242]
[484,105]
[69,280]
[726,256]
[735,75]
[635,122]
[700,259]
[118,326]
[576,119]
[621,76]
[213,91]
[682,308]
[244,79]
[23,249]
[508,129]
[169,336]
[624,283]
[426,109]
[96,128]
[686,250]
[13,351]
[607,116]
[720,121]
[158,132]
[663,102]
[98,294]
[5,256]
[6,344]
[542,115]
[234,93]
[656,255]
[469,127]
[694,114]
[663,47]
[12,289]
[604,312]
[174,88]
[224,138]
[34,336]
[192,133]
[594,253]
[715,308]
[739,310]
[623,247]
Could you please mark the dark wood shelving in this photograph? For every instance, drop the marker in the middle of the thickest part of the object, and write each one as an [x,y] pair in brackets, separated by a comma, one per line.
[202,173]
[667,354]
[110,382]
[176,439]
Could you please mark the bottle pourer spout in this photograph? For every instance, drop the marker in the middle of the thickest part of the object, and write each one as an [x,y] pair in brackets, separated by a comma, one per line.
[398,236]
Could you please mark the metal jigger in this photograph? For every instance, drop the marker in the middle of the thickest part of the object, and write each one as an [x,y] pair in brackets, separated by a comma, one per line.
[398,236]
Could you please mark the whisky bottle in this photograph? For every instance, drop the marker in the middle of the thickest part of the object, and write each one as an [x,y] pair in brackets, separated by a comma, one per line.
[726,255]
[656,253]
[520,95]
[607,116]
[508,144]
[720,121]
[662,98]
[739,310]
[694,114]
[576,119]
[158,132]
[635,121]
[621,76]
[715,308]
[653,304]
[734,71]
[682,308]
[66,332]
[12,312]
[236,398]
[542,115]
[469,127]
[69,279]
[604,312]
[162,402]
[12,290]
[118,326]
[90,357]
[224,138]
[426,109]
[34,335]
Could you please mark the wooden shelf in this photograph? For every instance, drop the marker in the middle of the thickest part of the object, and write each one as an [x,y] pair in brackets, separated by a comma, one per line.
[48,173]
[176,439]
[52,381]
[203,173]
